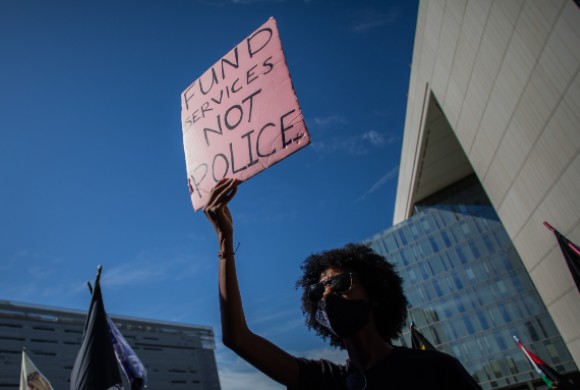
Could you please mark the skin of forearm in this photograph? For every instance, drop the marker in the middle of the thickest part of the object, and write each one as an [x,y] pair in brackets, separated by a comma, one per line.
[234,326]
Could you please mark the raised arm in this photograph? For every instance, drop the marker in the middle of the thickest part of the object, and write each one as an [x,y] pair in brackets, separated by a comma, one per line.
[261,353]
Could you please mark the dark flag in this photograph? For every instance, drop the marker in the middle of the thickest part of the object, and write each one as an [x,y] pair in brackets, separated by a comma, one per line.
[418,341]
[571,253]
[130,364]
[550,376]
[95,367]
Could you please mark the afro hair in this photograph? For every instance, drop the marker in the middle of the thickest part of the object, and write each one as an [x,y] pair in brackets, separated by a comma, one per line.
[375,273]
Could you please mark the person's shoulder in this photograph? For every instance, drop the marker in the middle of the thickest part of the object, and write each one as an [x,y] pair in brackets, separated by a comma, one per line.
[322,364]
[437,364]
[405,353]
[320,374]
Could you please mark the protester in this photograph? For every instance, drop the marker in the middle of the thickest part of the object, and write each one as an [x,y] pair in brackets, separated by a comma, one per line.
[351,296]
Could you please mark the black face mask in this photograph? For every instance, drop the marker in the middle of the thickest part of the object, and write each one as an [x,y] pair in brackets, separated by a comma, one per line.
[343,317]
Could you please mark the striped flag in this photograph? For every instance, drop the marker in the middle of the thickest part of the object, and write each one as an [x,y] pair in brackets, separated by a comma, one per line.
[550,376]
[418,341]
[30,377]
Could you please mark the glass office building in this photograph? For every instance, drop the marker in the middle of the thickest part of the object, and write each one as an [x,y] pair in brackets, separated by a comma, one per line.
[468,291]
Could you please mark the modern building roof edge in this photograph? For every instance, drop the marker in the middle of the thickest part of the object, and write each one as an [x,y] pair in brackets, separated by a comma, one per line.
[5,304]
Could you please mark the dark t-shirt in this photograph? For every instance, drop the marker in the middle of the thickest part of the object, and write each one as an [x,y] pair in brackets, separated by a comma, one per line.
[404,368]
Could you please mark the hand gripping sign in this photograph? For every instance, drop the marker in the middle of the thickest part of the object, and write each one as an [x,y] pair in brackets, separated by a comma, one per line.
[241,116]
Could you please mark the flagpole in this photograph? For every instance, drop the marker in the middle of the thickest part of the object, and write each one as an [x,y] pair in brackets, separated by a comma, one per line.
[525,351]
[97,279]
[570,245]
[99,269]
[546,224]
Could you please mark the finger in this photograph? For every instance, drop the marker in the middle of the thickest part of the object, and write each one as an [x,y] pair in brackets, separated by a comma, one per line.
[228,214]
[217,193]
[232,189]
[224,193]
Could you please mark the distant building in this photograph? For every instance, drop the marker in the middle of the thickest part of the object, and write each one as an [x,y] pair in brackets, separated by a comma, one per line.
[468,290]
[495,92]
[176,356]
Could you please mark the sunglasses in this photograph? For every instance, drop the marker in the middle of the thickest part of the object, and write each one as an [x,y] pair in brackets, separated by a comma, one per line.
[338,284]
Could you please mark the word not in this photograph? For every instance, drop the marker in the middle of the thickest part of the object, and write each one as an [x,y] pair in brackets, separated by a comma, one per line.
[223,165]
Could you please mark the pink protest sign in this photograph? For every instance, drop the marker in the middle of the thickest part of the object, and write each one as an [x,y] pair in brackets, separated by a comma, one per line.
[241,116]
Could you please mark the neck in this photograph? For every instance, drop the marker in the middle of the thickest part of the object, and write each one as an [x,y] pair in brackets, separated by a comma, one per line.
[367,348]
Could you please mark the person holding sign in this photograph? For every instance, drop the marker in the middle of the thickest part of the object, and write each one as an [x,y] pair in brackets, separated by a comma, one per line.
[351,296]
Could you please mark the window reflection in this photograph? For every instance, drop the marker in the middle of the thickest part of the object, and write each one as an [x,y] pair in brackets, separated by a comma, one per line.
[468,288]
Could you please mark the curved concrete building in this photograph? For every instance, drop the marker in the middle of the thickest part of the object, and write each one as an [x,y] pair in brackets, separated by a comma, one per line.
[495,91]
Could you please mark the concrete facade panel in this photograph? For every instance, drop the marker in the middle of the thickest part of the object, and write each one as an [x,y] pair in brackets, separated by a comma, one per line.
[428,56]
[474,105]
[559,62]
[535,24]
[435,11]
[553,279]
[514,211]
[497,181]
[481,155]
[574,348]
[572,99]
[511,9]
[469,120]
[571,17]
[567,311]
[535,250]
[535,109]
[561,203]
[453,101]
[468,47]
[449,36]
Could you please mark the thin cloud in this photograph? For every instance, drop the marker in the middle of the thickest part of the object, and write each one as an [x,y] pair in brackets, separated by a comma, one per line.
[385,112]
[36,267]
[34,291]
[256,1]
[351,146]
[329,353]
[131,274]
[244,379]
[329,121]
[372,20]
[273,316]
[138,271]
[374,137]
[284,328]
[380,183]
[16,258]
[357,145]
[147,267]
[222,3]
[236,374]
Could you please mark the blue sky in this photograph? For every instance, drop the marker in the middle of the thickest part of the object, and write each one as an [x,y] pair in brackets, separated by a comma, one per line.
[93,170]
